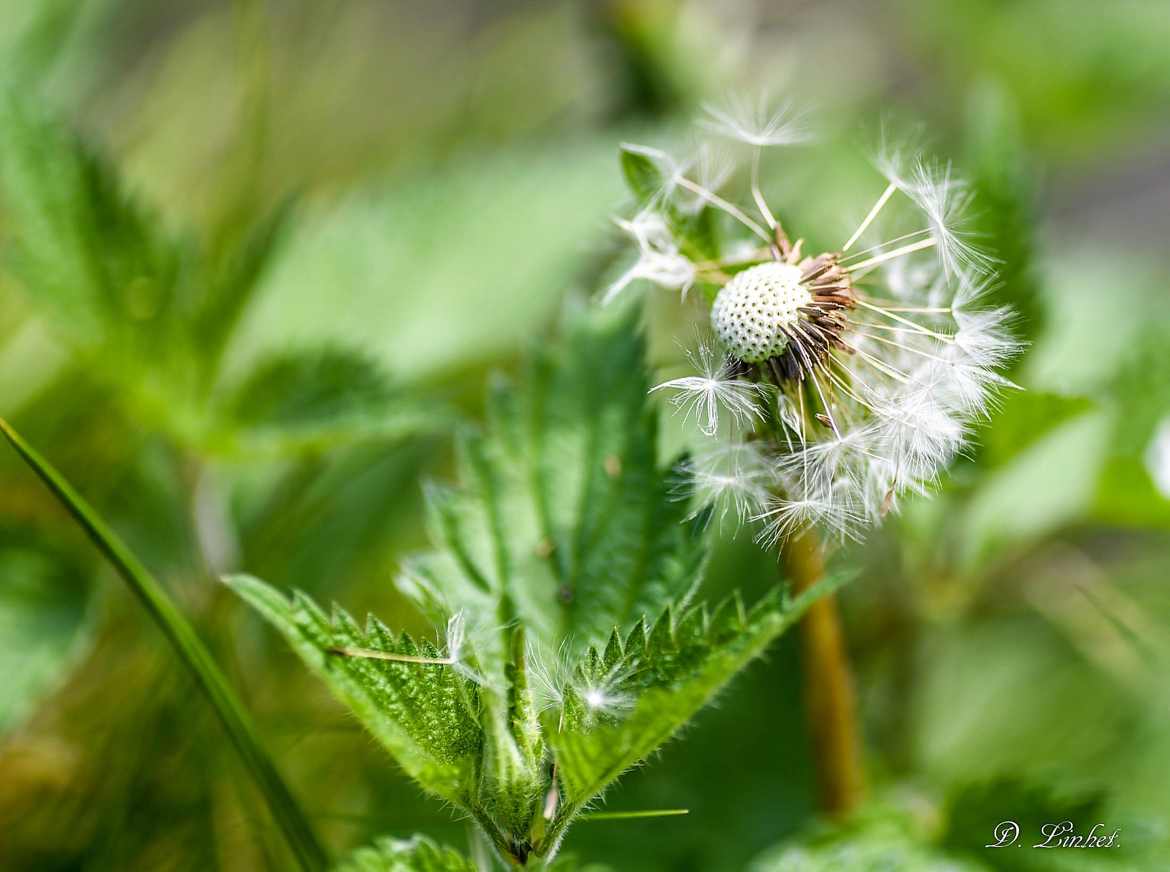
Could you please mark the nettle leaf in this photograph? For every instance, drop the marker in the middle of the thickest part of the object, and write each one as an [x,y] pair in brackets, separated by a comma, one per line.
[565,570]
[417,854]
[148,309]
[425,715]
[626,699]
[80,243]
[316,398]
[563,508]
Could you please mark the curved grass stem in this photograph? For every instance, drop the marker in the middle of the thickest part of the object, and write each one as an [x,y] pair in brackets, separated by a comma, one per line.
[237,723]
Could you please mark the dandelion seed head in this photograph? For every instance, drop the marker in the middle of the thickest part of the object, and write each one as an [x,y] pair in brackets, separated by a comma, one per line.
[851,376]
[754,311]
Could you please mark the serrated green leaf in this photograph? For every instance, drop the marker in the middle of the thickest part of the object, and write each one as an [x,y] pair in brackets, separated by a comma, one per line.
[559,547]
[80,244]
[312,399]
[664,678]
[425,714]
[417,854]
[564,507]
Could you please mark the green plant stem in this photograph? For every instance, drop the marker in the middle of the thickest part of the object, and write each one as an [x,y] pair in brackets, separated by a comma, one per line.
[633,815]
[830,701]
[237,723]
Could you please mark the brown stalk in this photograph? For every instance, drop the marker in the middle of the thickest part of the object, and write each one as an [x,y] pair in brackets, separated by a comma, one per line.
[830,701]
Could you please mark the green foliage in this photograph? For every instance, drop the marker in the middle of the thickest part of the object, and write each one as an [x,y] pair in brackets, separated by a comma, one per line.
[566,554]
[316,399]
[1139,398]
[666,672]
[191,650]
[415,855]
[419,854]
[440,290]
[1003,182]
[643,178]
[154,313]
[1024,419]
[78,240]
[563,517]
[44,615]
[874,843]
[425,715]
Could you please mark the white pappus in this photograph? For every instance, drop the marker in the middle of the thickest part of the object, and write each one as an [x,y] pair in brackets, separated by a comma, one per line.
[834,381]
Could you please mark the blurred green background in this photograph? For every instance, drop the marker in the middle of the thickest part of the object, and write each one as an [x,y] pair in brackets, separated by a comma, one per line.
[378,204]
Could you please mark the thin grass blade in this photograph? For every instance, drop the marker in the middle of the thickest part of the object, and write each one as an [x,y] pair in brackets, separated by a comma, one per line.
[236,721]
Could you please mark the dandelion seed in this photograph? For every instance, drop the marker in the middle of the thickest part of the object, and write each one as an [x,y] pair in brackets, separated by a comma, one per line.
[659,260]
[707,169]
[786,517]
[455,635]
[605,700]
[732,479]
[595,698]
[755,122]
[547,674]
[944,199]
[715,388]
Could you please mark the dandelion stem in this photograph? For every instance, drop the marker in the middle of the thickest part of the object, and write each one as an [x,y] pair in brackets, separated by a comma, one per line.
[828,684]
